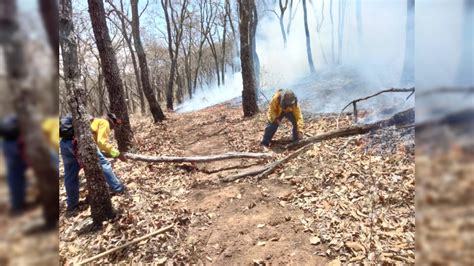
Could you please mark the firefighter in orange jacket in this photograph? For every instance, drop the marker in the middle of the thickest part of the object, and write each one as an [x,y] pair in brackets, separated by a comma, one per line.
[284,104]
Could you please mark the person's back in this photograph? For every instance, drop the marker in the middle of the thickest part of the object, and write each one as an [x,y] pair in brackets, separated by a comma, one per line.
[100,131]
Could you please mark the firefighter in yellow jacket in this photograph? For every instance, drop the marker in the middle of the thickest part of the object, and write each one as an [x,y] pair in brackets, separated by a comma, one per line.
[17,161]
[284,104]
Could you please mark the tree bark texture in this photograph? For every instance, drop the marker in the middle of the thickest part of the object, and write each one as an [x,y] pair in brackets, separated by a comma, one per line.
[108,61]
[38,154]
[99,198]
[208,158]
[249,97]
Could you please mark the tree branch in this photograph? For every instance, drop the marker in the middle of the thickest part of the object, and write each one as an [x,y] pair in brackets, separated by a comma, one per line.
[208,158]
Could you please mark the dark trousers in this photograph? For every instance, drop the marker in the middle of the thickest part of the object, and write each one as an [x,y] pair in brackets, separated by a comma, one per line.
[271,128]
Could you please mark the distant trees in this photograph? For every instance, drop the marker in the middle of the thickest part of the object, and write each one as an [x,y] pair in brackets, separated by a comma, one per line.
[155,108]
[98,194]
[111,72]
[308,39]
[408,71]
[174,28]
[466,65]
[246,25]
[340,31]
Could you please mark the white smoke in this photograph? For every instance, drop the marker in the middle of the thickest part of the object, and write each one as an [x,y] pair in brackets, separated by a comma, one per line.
[212,95]
[369,64]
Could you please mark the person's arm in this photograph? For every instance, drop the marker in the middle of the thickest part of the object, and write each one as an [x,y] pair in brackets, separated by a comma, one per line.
[273,109]
[299,118]
[103,131]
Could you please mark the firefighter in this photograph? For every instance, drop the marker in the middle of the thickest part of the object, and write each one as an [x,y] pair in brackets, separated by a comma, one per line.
[15,158]
[284,104]
[101,128]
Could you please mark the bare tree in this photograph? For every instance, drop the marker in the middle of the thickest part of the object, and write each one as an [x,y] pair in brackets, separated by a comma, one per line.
[332,32]
[342,14]
[207,18]
[408,72]
[99,198]
[25,102]
[359,19]
[249,97]
[155,108]
[124,21]
[177,21]
[291,15]
[114,84]
[308,39]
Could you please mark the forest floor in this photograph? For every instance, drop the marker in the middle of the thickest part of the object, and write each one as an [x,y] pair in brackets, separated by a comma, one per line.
[346,199]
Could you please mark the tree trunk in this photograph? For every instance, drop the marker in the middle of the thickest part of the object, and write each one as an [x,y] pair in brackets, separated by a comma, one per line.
[25,97]
[249,97]
[123,133]
[98,194]
[332,33]
[281,17]
[155,108]
[50,14]
[223,50]
[359,20]
[342,12]
[253,34]
[408,72]
[210,40]
[128,40]
[308,39]
[466,66]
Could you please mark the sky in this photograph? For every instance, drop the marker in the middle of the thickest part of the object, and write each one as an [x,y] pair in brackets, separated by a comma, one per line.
[28,5]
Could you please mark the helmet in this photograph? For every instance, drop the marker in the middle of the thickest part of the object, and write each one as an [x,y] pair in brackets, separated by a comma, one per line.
[287,99]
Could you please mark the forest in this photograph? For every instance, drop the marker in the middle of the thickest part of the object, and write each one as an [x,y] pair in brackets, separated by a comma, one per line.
[171,110]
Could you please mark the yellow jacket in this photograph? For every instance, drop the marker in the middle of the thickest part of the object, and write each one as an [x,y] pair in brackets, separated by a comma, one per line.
[50,127]
[101,130]
[275,111]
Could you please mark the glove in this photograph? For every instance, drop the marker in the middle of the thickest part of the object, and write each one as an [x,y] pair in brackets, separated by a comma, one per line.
[300,135]
[114,153]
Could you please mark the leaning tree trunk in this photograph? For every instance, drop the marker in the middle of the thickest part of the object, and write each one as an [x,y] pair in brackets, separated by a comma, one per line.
[408,72]
[26,106]
[308,39]
[249,97]
[108,61]
[155,108]
[50,16]
[99,198]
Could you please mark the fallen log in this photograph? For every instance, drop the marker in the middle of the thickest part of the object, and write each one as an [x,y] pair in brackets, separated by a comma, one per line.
[399,119]
[403,118]
[206,158]
[105,253]
[267,169]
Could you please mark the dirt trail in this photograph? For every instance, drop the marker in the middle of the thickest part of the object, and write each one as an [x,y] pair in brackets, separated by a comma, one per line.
[246,223]
[272,221]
